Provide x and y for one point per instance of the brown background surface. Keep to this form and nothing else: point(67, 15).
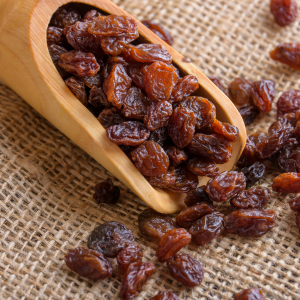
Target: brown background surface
point(46, 182)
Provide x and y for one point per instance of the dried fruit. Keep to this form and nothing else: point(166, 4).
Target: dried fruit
point(160, 136)
point(131, 133)
point(171, 243)
point(263, 93)
point(106, 192)
point(165, 180)
point(134, 278)
point(150, 159)
point(185, 269)
point(288, 102)
point(66, 15)
point(196, 196)
point(165, 296)
point(240, 91)
point(181, 126)
point(110, 117)
point(176, 155)
point(202, 167)
point(159, 31)
point(253, 173)
point(287, 183)
point(92, 81)
point(184, 87)
point(55, 35)
point(249, 113)
point(91, 15)
point(110, 238)
point(191, 214)
point(114, 45)
point(136, 72)
point(207, 228)
point(289, 160)
point(295, 204)
point(228, 131)
point(98, 98)
point(55, 51)
point(225, 185)
point(250, 222)
point(127, 256)
point(148, 53)
point(219, 84)
point(284, 11)
point(77, 88)
point(213, 146)
point(88, 263)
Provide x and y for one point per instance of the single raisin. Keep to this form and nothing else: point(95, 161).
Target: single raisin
point(98, 98)
point(249, 113)
point(165, 296)
point(287, 183)
point(263, 93)
point(134, 278)
point(202, 167)
point(66, 15)
point(295, 204)
point(55, 35)
point(112, 45)
point(228, 131)
point(289, 160)
point(219, 84)
point(191, 214)
point(253, 173)
point(77, 88)
point(136, 72)
point(149, 53)
point(171, 243)
point(184, 87)
point(284, 11)
point(106, 192)
point(207, 228)
point(88, 263)
point(288, 102)
point(160, 136)
point(165, 180)
point(126, 54)
point(153, 224)
point(127, 256)
point(176, 155)
point(110, 238)
point(110, 117)
point(240, 91)
point(196, 196)
point(185, 269)
point(250, 222)
point(181, 126)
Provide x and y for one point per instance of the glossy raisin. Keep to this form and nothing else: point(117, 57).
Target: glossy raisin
point(78, 89)
point(110, 117)
point(92, 81)
point(150, 159)
point(110, 238)
point(289, 160)
point(55, 51)
point(184, 87)
point(149, 53)
point(217, 81)
point(287, 183)
point(202, 167)
point(250, 294)
point(130, 254)
point(295, 204)
point(136, 72)
point(114, 45)
point(207, 228)
point(181, 126)
point(153, 224)
point(66, 15)
point(176, 155)
point(134, 278)
point(284, 11)
point(88, 263)
point(171, 243)
point(253, 173)
point(263, 93)
point(250, 222)
point(228, 131)
point(98, 98)
point(106, 192)
point(185, 269)
point(196, 196)
point(165, 180)
point(249, 113)
point(288, 102)
point(165, 296)
point(159, 30)
point(213, 146)
point(55, 35)
point(112, 61)
point(191, 214)
point(240, 91)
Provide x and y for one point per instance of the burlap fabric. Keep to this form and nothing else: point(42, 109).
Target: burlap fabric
point(46, 182)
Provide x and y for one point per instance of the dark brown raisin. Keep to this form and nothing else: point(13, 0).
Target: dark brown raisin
point(219, 84)
point(91, 15)
point(110, 238)
point(288, 102)
point(263, 93)
point(55, 35)
point(88, 263)
point(185, 269)
point(289, 160)
point(284, 11)
point(295, 204)
point(196, 196)
point(134, 278)
point(114, 45)
point(78, 89)
point(240, 91)
point(207, 228)
point(202, 167)
point(160, 136)
point(148, 53)
point(249, 113)
point(250, 222)
point(98, 98)
point(127, 256)
point(65, 16)
point(92, 81)
point(228, 131)
point(176, 155)
point(165, 180)
point(184, 87)
point(110, 117)
point(253, 173)
point(171, 243)
point(55, 51)
point(165, 296)
point(106, 192)
point(287, 183)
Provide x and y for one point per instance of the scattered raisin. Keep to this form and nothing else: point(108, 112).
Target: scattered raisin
point(196, 196)
point(295, 204)
point(284, 11)
point(106, 192)
point(253, 173)
point(130, 254)
point(176, 155)
point(165, 296)
point(78, 89)
point(184, 87)
point(287, 183)
point(288, 102)
point(249, 113)
point(65, 16)
point(148, 53)
point(110, 117)
point(202, 167)
point(263, 93)
point(289, 160)
point(240, 91)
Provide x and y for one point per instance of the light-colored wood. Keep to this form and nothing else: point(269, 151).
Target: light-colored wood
point(26, 66)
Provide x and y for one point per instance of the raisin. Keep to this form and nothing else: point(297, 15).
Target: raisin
point(287, 183)
point(202, 167)
point(159, 81)
point(126, 54)
point(88, 263)
point(55, 51)
point(298, 220)
point(295, 204)
point(66, 15)
point(159, 30)
point(219, 84)
point(185, 180)
point(263, 93)
point(228, 131)
point(150, 159)
point(55, 35)
point(171, 243)
point(240, 91)
point(185, 269)
point(92, 81)
point(114, 60)
point(114, 45)
point(79, 63)
point(256, 197)
point(110, 117)
point(148, 53)
point(130, 254)
point(225, 185)
point(250, 294)
point(184, 87)
point(203, 109)
point(196, 196)
point(253, 173)
point(191, 214)
point(165, 296)
point(213, 146)
point(176, 155)
point(91, 15)
point(207, 228)
point(98, 98)
point(289, 118)
point(136, 72)
point(250, 222)
point(116, 85)
point(153, 224)
point(134, 278)
point(249, 113)
point(106, 192)
point(289, 160)
point(135, 104)
point(288, 102)
point(284, 11)
point(78, 89)
point(160, 136)
point(165, 180)
point(110, 238)
point(158, 115)
point(181, 127)
point(288, 54)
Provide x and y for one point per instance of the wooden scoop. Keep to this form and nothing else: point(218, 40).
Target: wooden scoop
point(26, 67)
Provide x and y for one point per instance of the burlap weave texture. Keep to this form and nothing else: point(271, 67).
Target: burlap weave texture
point(46, 182)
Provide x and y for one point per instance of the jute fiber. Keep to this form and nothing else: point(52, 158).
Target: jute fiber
point(46, 182)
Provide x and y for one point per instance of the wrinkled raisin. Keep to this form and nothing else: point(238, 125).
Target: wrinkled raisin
point(136, 72)
point(165, 180)
point(92, 81)
point(253, 173)
point(289, 160)
point(148, 53)
point(196, 196)
point(111, 62)
point(263, 93)
point(98, 98)
point(130, 254)
point(295, 204)
point(55, 51)
point(176, 155)
point(228, 131)
point(114, 45)
point(55, 35)
point(106, 192)
point(284, 11)
point(287, 183)
point(202, 167)
point(165, 296)
point(288, 102)
point(91, 15)
point(160, 136)
point(249, 113)
point(77, 88)
point(65, 16)
point(110, 117)
point(184, 87)
point(240, 91)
